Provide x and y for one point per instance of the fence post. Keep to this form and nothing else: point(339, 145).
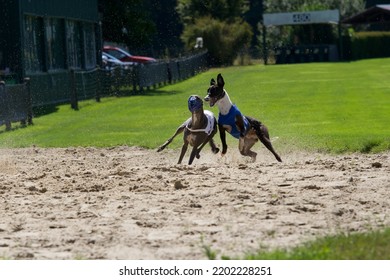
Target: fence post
point(97, 85)
point(73, 94)
point(117, 80)
point(134, 79)
point(101, 82)
point(179, 71)
point(29, 101)
point(5, 103)
point(7, 111)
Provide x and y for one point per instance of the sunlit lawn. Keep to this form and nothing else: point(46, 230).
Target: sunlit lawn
point(358, 246)
point(331, 107)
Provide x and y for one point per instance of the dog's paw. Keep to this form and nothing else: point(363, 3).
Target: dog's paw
point(160, 149)
point(216, 151)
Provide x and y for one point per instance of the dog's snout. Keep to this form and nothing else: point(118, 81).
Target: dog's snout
point(207, 98)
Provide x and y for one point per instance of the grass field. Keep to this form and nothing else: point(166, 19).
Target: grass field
point(358, 246)
point(330, 107)
point(361, 246)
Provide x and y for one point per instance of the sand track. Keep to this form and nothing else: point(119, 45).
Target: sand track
point(133, 203)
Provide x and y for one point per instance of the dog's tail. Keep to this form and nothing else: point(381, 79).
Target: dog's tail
point(263, 134)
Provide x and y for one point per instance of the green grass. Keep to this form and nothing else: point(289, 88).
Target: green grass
point(373, 245)
point(362, 246)
point(330, 107)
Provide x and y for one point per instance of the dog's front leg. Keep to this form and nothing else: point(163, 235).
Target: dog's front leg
point(183, 152)
point(194, 153)
point(201, 147)
point(222, 134)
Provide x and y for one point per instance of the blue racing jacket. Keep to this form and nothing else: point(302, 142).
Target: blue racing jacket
point(230, 119)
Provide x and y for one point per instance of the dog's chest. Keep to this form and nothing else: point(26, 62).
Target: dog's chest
point(193, 139)
point(229, 121)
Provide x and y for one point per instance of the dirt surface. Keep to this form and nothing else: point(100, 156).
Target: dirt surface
point(133, 203)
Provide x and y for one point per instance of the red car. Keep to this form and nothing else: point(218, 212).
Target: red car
point(126, 57)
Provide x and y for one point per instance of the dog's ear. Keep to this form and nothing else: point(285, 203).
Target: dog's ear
point(220, 81)
point(212, 82)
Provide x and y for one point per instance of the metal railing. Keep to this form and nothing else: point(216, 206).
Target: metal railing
point(41, 89)
point(138, 78)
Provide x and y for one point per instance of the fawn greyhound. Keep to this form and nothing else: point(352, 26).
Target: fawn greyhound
point(248, 130)
point(198, 130)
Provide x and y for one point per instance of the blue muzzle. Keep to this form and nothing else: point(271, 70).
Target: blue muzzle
point(194, 104)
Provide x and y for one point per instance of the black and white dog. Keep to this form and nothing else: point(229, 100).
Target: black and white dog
point(248, 130)
point(198, 130)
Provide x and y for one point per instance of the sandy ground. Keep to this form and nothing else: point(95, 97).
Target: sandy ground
point(133, 203)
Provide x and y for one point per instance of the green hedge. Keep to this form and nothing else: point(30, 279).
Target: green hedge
point(223, 40)
point(369, 45)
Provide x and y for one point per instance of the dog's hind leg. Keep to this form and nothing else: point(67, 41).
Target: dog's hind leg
point(214, 148)
point(179, 130)
point(210, 140)
point(262, 133)
point(244, 146)
point(200, 148)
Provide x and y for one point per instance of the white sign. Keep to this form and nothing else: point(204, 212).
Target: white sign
point(327, 16)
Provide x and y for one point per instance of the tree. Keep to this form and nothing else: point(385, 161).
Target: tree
point(220, 24)
point(127, 22)
point(253, 16)
point(166, 40)
point(223, 39)
point(223, 10)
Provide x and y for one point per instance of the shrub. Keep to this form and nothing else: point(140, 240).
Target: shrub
point(224, 40)
point(370, 45)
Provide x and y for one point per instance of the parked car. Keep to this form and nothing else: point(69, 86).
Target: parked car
point(124, 56)
point(110, 62)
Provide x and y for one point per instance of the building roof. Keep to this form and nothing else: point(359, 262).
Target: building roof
point(374, 14)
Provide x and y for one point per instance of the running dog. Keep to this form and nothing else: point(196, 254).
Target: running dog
point(247, 129)
point(198, 130)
